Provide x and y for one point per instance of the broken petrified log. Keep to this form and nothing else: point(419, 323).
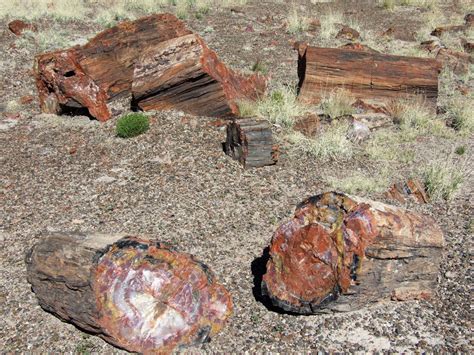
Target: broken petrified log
point(373, 77)
point(183, 73)
point(340, 253)
point(137, 294)
point(99, 75)
point(412, 190)
point(250, 141)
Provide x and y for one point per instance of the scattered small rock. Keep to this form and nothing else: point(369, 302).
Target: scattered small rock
point(18, 26)
point(358, 131)
point(309, 124)
point(105, 179)
point(348, 33)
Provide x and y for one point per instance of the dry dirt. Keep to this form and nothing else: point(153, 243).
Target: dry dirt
point(175, 184)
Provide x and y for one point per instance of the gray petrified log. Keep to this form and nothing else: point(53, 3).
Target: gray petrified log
point(250, 141)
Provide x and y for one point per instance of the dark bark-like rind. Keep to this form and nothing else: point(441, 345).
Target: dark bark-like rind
point(136, 294)
point(341, 253)
point(250, 142)
point(373, 77)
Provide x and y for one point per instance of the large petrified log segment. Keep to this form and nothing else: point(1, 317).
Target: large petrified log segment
point(183, 73)
point(250, 142)
point(101, 71)
point(340, 253)
point(373, 77)
point(137, 294)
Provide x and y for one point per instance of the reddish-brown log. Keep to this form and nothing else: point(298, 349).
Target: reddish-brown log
point(183, 73)
point(373, 77)
point(341, 253)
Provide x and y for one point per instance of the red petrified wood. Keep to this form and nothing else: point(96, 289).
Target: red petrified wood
point(340, 253)
point(373, 77)
point(99, 75)
point(137, 294)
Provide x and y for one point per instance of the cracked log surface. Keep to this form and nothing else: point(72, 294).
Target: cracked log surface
point(250, 141)
point(373, 77)
point(136, 294)
point(183, 73)
point(341, 253)
point(93, 78)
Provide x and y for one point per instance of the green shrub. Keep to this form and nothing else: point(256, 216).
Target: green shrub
point(443, 178)
point(132, 125)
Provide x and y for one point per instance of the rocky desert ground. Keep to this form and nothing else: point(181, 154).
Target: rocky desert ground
point(175, 184)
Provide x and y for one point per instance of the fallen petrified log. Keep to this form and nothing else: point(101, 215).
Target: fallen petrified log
point(99, 75)
point(136, 294)
point(250, 142)
point(183, 73)
point(340, 253)
point(373, 77)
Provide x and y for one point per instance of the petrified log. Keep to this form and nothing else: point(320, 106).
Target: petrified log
point(340, 253)
point(412, 190)
point(183, 73)
point(250, 142)
point(373, 77)
point(99, 75)
point(137, 294)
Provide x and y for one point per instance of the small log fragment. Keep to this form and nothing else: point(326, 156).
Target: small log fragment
point(18, 26)
point(136, 294)
point(412, 190)
point(373, 77)
point(341, 253)
point(250, 142)
point(183, 73)
point(439, 31)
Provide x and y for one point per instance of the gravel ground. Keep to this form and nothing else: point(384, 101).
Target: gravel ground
point(175, 184)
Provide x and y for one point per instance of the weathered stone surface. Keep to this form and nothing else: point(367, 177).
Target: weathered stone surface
point(183, 73)
point(250, 141)
point(309, 124)
point(401, 33)
point(358, 47)
point(458, 62)
point(348, 33)
point(341, 253)
point(438, 31)
point(412, 190)
point(137, 294)
point(18, 26)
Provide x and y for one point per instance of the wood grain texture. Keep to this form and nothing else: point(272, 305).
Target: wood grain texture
point(250, 141)
point(183, 73)
point(373, 77)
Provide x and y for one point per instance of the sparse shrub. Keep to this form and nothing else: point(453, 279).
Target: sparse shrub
point(337, 103)
point(297, 23)
point(443, 178)
point(361, 183)
point(259, 67)
point(460, 150)
point(331, 144)
point(389, 146)
point(461, 112)
point(132, 125)
point(415, 118)
point(330, 23)
point(280, 107)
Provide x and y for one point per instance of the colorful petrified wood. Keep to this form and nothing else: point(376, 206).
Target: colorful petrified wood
point(137, 294)
point(340, 253)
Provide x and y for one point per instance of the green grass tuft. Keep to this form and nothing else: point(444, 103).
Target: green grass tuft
point(132, 125)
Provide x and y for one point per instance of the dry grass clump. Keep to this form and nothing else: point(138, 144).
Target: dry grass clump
point(297, 23)
point(415, 118)
point(331, 144)
point(330, 24)
point(444, 178)
point(358, 182)
point(337, 103)
point(389, 146)
point(460, 111)
point(279, 107)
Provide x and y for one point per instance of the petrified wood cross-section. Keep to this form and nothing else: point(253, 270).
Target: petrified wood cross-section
point(373, 77)
point(137, 294)
point(340, 253)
